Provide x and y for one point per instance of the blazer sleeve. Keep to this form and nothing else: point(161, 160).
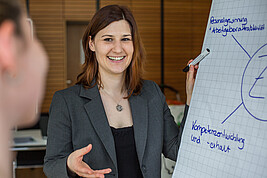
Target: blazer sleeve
point(59, 143)
point(172, 134)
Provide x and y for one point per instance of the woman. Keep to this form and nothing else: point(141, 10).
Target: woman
point(23, 67)
point(112, 123)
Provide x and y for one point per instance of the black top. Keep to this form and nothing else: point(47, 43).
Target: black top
point(127, 160)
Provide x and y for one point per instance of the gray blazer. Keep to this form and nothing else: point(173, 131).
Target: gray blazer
point(77, 118)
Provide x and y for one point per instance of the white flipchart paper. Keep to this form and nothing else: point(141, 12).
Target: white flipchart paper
point(225, 134)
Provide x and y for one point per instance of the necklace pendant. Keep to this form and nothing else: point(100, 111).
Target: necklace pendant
point(119, 107)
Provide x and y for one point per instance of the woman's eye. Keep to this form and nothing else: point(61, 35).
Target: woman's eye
point(108, 39)
point(126, 39)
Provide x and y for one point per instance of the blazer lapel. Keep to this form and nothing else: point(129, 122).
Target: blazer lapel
point(97, 115)
point(140, 121)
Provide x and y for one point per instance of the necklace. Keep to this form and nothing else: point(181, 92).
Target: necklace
point(119, 107)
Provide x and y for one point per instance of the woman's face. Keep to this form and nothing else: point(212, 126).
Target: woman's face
point(113, 47)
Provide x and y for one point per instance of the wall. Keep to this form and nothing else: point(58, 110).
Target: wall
point(185, 23)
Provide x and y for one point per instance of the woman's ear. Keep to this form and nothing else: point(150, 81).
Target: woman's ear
point(91, 44)
point(7, 46)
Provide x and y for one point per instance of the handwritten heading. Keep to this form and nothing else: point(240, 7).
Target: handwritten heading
point(226, 25)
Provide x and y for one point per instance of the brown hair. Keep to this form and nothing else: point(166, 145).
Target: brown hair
point(11, 10)
point(90, 75)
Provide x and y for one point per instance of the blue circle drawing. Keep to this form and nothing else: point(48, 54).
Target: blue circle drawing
point(253, 84)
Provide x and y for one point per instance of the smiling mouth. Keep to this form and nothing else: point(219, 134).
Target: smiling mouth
point(116, 58)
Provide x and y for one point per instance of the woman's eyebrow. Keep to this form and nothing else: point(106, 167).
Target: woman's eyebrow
point(113, 36)
point(106, 36)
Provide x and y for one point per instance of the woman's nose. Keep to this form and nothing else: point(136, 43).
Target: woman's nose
point(117, 47)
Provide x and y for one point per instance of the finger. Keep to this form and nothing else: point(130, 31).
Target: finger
point(85, 171)
point(91, 175)
point(84, 168)
point(84, 175)
point(189, 61)
point(103, 171)
point(190, 74)
point(85, 150)
point(99, 175)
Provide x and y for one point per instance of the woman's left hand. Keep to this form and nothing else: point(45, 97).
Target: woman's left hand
point(190, 81)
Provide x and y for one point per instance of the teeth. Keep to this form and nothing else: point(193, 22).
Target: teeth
point(115, 58)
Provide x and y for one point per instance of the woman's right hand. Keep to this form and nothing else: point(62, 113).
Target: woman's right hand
point(190, 81)
point(76, 164)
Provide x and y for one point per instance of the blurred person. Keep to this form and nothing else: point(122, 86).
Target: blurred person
point(112, 123)
point(23, 66)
